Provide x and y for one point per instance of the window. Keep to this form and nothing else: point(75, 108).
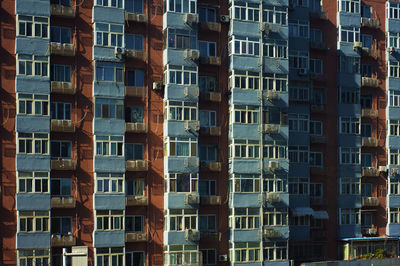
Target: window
point(394, 127)
point(366, 160)
point(366, 101)
point(109, 34)
point(349, 216)
point(109, 108)
point(61, 187)
point(348, 64)
point(245, 114)
point(134, 151)
point(208, 187)
point(61, 2)
point(109, 220)
point(33, 65)
point(33, 257)
point(366, 190)
point(394, 69)
point(366, 70)
point(33, 221)
point(33, 182)
point(366, 130)
point(181, 219)
point(245, 80)
point(349, 125)
point(135, 258)
point(181, 255)
point(277, 49)
point(60, 34)
point(61, 225)
point(298, 154)
point(298, 122)
point(316, 66)
point(316, 36)
point(244, 183)
point(108, 71)
point(135, 78)
point(394, 10)
point(134, 6)
point(350, 186)
point(349, 96)
point(135, 187)
point(275, 82)
point(275, 251)
point(298, 94)
point(366, 11)
point(109, 3)
point(275, 14)
point(208, 48)
point(181, 147)
point(275, 149)
point(180, 39)
point(299, 220)
point(300, 3)
point(33, 104)
point(350, 6)
point(208, 118)
point(241, 45)
point(274, 184)
point(134, 223)
point(244, 218)
point(245, 11)
point(315, 5)
point(207, 223)
point(394, 100)
point(316, 190)
point(134, 42)
point(182, 182)
point(207, 14)
point(298, 59)
point(33, 143)
point(60, 73)
point(109, 183)
point(184, 111)
point(366, 41)
point(207, 83)
point(209, 256)
point(61, 149)
point(244, 252)
point(275, 216)
point(316, 128)
point(182, 6)
point(394, 39)
point(208, 153)
point(316, 159)
point(349, 34)
point(103, 144)
point(181, 75)
point(60, 111)
point(110, 256)
point(394, 156)
point(394, 187)
point(30, 26)
point(298, 186)
point(350, 155)
point(134, 114)
point(299, 28)
point(242, 148)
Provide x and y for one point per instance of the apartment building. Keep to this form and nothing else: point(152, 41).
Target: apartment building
point(198, 132)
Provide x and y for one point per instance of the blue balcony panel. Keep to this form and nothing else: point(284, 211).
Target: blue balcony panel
point(182, 92)
point(299, 170)
point(31, 123)
point(244, 200)
point(26, 162)
point(188, 164)
point(349, 79)
point(105, 126)
point(283, 165)
point(393, 229)
point(299, 232)
point(283, 202)
point(33, 202)
point(177, 201)
point(302, 44)
point(393, 142)
point(349, 110)
point(283, 231)
point(33, 240)
point(347, 140)
point(244, 166)
point(178, 129)
point(176, 238)
point(32, 7)
point(350, 170)
point(246, 97)
point(176, 57)
point(109, 89)
point(109, 201)
point(245, 131)
point(298, 201)
point(299, 138)
point(348, 19)
point(176, 21)
point(245, 28)
point(245, 63)
point(282, 102)
point(393, 201)
point(105, 53)
point(299, 13)
point(347, 49)
point(109, 164)
point(276, 2)
point(393, 113)
point(393, 25)
point(105, 239)
point(394, 83)
point(28, 84)
point(245, 235)
point(349, 201)
point(31, 46)
point(107, 14)
point(277, 66)
point(352, 230)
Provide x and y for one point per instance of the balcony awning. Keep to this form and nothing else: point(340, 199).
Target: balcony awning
point(302, 211)
point(320, 215)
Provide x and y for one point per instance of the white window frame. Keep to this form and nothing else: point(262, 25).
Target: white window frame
point(241, 45)
point(181, 110)
point(110, 3)
point(33, 65)
point(33, 257)
point(191, 8)
point(275, 216)
point(246, 80)
point(245, 114)
point(181, 75)
point(245, 252)
point(115, 252)
point(393, 10)
point(114, 218)
point(39, 104)
point(349, 6)
point(107, 143)
point(33, 21)
point(393, 69)
point(237, 182)
point(112, 33)
point(31, 139)
point(39, 220)
point(34, 178)
point(245, 149)
point(353, 32)
point(172, 182)
point(181, 219)
point(191, 142)
point(245, 12)
point(110, 183)
point(350, 155)
point(245, 218)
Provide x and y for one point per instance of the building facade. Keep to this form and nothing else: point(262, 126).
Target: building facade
point(198, 132)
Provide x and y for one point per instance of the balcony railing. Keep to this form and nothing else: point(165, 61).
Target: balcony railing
point(62, 202)
point(369, 231)
point(211, 60)
point(141, 55)
point(136, 127)
point(210, 200)
point(63, 164)
point(318, 15)
point(212, 26)
point(192, 235)
point(65, 126)
point(210, 131)
point(369, 202)
point(138, 17)
point(136, 165)
point(370, 171)
point(62, 11)
point(211, 166)
point(271, 95)
point(369, 142)
point(271, 128)
point(318, 234)
point(134, 91)
point(136, 237)
point(317, 108)
point(63, 87)
point(192, 198)
point(208, 236)
point(137, 201)
point(59, 240)
point(317, 171)
point(369, 113)
point(63, 49)
point(318, 46)
point(369, 82)
point(269, 232)
point(370, 23)
point(317, 139)
point(211, 96)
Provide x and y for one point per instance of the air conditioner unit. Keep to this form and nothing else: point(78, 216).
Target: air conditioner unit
point(119, 51)
point(264, 26)
point(273, 165)
point(382, 168)
point(391, 50)
point(357, 45)
point(394, 171)
point(223, 257)
point(141, 17)
point(224, 18)
point(191, 18)
point(157, 85)
point(191, 54)
point(192, 198)
point(302, 71)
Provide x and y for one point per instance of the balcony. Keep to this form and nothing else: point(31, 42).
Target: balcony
point(271, 95)
point(135, 54)
point(59, 240)
point(192, 199)
point(317, 139)
point(65, 126)
point(272, 197)
point(271, 128)
point(135, 237)
point(372, 23)
point(369, 142)
point(317, 171)
point(62, 11)
point(318, 46)
point(210, 131)
point(192, 235)
point(137, 201)
point(369, 202)
point(63, 164)
point(317, 108)
point(63, 49)
point(136, 165)
point(210, 60)
point(210, 200)
point(63, 203)
point(133, 91)
point(208, 236)
point(318, 15)
point(370, 171)
point(370, 52)
point(63, 87)
point(211, 166)
point(135, 127)
point(318, 234)
point(271, 233)
point(369, 113)
point(369, 82)
point(137, 17)
point(211, 96)
point(316, 201)
point(369, 231)
point(211, 26)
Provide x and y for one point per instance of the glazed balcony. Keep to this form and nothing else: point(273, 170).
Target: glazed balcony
point(369, 202)
point(136, 165)
point(135, 127)
point(63, 49)
point(62, 87)
point(135, 237)
point(63, 202)
point(63, 164)
point(211, 26)
point(65, 126)
point(210, 200)
point(58, 240)
point(137, 201)
point(369, 82)
point(369, 142)
point(133, 91)
point(62, 11)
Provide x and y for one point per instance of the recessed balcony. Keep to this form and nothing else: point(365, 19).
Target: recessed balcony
point(63, 164)
point(210, 60)
point(369, 142)
point(59, 240)
point(269, 232)
point(372, 23)
point(210, 200)
point(319, 15)
point(62, 11)
point(210, 131)
point(137, 201)
point(317, 139)
point(317, 108)
point(135, 237)
point(62, 87)
point(318, 46)
point(211, 26)
point(137, 17)
point(369, 202)
point(135, 91)
point(211, 96)
point(136, 165)
point(65, 126)
point(370, 171)
point(135, 127)
point(369, 113)
point(271, 128)
point(63, 202)
point(211, 166)
point(63, 49)
point(369, 82)
point(135, 54)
